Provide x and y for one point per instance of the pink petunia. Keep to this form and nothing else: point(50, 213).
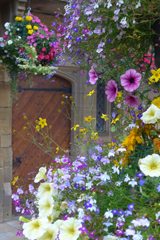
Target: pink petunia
point(132, 101)
point(93, 77)
point(130, 80)
point(111, 90)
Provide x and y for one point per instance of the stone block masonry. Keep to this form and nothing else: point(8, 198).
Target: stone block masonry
point(5, 147)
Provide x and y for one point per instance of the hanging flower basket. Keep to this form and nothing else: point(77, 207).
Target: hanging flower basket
point(29, 45)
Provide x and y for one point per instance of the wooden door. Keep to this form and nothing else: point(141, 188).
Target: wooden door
point(49, 99)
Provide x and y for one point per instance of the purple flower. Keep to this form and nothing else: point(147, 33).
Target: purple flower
point(132, 101)
point(93, 77)
point(111, 90)
point(130, 80)
point(158, 188)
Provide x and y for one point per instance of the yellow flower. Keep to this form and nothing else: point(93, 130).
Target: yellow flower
point(132, 139)
point(28, 18)
point(57, 149)
point(88, 119)
point(105, 117)
point(94, 135)
point(91, 93)
point(119, 97)
point(42, 122)
point(18, 19)
point(156, 102)
point(114, 120)
point(30, 32)
point(155, 76)
point(38, 128)
point(35, 28)
point(75, 127)
point(15, 179)
point(29, 26)
point(83, 130)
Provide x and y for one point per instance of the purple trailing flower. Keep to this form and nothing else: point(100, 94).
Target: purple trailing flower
point(130, 80)
point(132, 101)
point(93, 77)
point(111, 90)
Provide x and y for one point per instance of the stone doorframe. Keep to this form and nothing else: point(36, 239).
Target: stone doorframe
point(78, 79)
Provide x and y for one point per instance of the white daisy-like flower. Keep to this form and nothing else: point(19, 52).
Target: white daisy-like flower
point(35, 228)
point(70, 229)
point(40, 175)
point(151, 115)
point(150, 165)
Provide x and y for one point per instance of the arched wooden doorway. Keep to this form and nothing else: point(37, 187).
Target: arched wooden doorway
point(48, 99)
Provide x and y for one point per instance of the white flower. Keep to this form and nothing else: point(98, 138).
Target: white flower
point(108, 214)
point(150, 165)
point(157, 215)
point(45, 189)
point(10, 42)
point(7, 25)
point(127, 178)
point(109, 4)
point(110, 237)
point(69, 230)
point(151, 115)
point(132, 182)
point(129, 232)
point(51, 232)
point(35, 228)
point(104, 177)
point(45, 205)
point(144, 222)
point(115, 169)
point(40, 175)
point(138, 236)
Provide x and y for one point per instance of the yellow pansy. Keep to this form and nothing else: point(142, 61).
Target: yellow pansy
point(156, 102)
point(114, 120)
point(18, 19)
point(91, 93)
point(30, 32)
point(104, 117)
point(35, 28)
point(28, 18)
point(88, 118)
point(94, 135)
point(83, 130)
point(57, 149)
point(29, 26)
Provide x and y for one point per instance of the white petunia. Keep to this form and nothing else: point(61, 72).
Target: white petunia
point(151, 115)
point(45, 205)
point(40, 175)
point(70, 229)
point(150, 165)
point(46, 190)
point(51, 232)
point(35, 228)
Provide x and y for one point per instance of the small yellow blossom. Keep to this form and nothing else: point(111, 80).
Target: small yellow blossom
point(114, 120)
point(91, 93)
point(57, 149)
point(30, 32)
point(35, 28)
point(18, 19)
point(94, 135)
point(88, 119)
point(104, 117)
point(29, 26)
point(28, 18)
point(75, 127)
point(83, 130)
point(132, 139)
point(42, 122)
point(156, 102)
point(119, 97)
point(15, 179)
point(155, 76)
point(38, 128)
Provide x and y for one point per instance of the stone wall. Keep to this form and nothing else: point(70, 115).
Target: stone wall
point(5, 147)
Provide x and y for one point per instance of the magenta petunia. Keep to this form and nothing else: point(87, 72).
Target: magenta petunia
point(93, 77)
point(111, 90)
point(130, 80)
point(132, 101)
